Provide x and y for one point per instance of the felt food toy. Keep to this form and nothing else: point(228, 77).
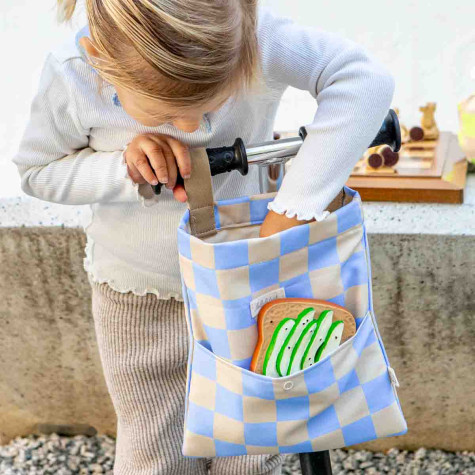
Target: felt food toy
point(286, 349)
point(295, 333)
point(303, 355)
point(332, 340)
point(302, 341)
point(325, 322)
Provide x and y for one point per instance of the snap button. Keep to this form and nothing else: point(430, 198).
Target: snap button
point(288, 385)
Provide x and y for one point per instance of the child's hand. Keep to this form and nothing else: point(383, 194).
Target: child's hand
point(152, 156)
point(274, 223)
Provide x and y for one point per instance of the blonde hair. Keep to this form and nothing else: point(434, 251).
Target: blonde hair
point(181, 52)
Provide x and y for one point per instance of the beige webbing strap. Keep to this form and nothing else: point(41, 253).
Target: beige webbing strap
point(199, 190)
point(340, 200)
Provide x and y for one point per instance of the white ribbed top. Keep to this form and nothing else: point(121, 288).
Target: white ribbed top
point(71, 151)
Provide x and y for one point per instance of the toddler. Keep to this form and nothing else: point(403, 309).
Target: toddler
point(117, 110)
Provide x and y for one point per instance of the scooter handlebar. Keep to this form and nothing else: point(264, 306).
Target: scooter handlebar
point(226, 159)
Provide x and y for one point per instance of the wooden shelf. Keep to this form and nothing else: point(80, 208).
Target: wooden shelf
point(445, 182)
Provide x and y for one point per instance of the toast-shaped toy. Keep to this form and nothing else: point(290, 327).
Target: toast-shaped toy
point(310, 329)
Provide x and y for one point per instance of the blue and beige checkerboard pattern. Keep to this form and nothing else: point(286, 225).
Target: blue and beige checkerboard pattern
point(345, 399)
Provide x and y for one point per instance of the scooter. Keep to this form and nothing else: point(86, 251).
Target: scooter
point(272, 156)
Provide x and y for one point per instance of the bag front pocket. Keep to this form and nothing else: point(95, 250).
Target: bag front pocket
point(222, 280)
point(344, 399)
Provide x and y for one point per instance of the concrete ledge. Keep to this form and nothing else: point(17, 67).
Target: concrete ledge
point(51, 371)
point(380, 218)
point(425, 305)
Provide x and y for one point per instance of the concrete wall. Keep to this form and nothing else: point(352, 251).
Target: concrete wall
point(49, 362)
point(51, 372)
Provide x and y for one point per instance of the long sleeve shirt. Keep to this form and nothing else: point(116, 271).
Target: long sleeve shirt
point(72, 148)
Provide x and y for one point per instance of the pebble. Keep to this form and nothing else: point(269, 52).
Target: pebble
point(58, 455)
point(394, 462)
point(82, 455)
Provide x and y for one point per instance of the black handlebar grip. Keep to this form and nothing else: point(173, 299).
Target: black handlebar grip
point(389, 133)
point(157, 189)
point(226, 159)
point(221, 160)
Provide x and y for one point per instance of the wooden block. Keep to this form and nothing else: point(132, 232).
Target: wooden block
point(416, 134)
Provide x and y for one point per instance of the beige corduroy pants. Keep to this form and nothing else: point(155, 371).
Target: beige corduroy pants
point(143, 345)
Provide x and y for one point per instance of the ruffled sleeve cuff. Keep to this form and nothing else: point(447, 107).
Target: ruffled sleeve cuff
point(300, 214)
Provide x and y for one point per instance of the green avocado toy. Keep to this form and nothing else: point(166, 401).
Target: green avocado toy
point(288, 344)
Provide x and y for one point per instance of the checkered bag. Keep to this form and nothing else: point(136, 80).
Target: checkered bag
point(346, 398)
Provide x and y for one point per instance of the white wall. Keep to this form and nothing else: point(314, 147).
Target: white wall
point(28, 30)
point(429, 46)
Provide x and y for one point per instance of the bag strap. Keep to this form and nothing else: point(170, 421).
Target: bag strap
point(340, 200)
point(199, 190)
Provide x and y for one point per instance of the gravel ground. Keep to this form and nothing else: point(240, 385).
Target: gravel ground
point(58, 455)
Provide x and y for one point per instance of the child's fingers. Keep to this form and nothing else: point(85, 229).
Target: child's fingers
point(182, 156)
point(179, 193)
point(153, 151)
point(135, 174)
point(170, 160)
point(139, 159)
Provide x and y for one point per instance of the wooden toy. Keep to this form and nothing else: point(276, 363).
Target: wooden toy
point(430, 167)
point(423, 139)
point(429, 126)
point(416, 134)
point(381, 158)
point(404, 130)
point(374, 158)
point(428, 129)
point(291, 331)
